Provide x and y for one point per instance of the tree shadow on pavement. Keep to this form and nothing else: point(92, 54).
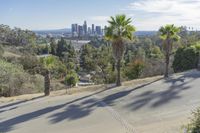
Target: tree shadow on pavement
point(71, 108)
point(155, 99)
point(110, 99)
point(84, 106)
point(19, 102)
point(75, 111)
point(15, 105)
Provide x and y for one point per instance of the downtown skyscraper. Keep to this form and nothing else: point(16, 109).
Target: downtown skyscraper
point(84, 30)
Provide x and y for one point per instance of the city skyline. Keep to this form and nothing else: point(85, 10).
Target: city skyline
point(53, 14)
point(84, 29)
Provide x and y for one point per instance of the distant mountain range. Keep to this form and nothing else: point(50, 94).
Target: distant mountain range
point(145, 33)
point(53, 31)
point(68, 30)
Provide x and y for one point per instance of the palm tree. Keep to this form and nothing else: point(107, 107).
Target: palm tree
point(169, 34)
point(119, 30)
point(47, 64)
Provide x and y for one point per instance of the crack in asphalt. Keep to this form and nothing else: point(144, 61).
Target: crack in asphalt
point(127, 126)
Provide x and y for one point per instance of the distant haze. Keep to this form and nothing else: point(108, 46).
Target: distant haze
point(147, 15)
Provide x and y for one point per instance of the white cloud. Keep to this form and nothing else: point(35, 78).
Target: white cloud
point(154, 13)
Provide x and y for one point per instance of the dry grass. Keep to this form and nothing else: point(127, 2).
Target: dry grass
point(80, 89)
point(10, 54)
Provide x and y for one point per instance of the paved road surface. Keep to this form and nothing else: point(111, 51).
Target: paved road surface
point(161, 106)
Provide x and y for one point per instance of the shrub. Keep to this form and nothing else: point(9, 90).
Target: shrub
point(15, 81)
point(30, 63)
point(134, 69)
point(186, 58)
point(194, 126)
point(153, 67)
point(34, 84)
point(54, 65)
point(71, 79)
point(11, 78)
point(1, 51)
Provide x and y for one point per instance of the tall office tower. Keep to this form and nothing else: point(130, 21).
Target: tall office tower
point(73, 29)
point(85, 27)
point(98, 30)
point(89, 31)
point(93, 29)
point(76, 28)
point(80, 31)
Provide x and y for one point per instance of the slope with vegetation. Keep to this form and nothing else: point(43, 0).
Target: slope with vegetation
point(118, 56)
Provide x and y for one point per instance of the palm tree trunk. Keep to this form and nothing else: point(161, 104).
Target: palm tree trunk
point(47, 83)
point(167, 58)
point(167, 66)
point(118, 65)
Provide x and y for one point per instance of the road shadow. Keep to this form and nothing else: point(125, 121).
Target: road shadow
point(156, 99)
point(84, 106)
point(19, 102)
point(110, 99)
point(1, 111)
point(75, 110)
point(15, 105)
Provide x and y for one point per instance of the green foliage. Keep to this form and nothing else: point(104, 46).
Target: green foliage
point(169, 35)
point(194, 126)
point(16, 36)
point(104, 65)
point(119, 30)
point(134, 69)
point(14, 81)
point(9, 76)
point(63, 47)
point(41, 49)
point(169, 32)
point(71, 79)
point(99, 62)
point(30, 63)
point(155, 52)
point(196, 46)
point(54, 65)
point(185, 58)
point(87, 58)
point(53, 46)
point(1, 51)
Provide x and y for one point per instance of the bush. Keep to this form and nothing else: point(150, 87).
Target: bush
point(30, 63)
point(71, 79)
point(194, 126)
point(153, 67)
point(34, 84)
point(186, 58)
point(15, 81)
point(134, 69)
point(1, 51)
point(54, 65)
point(11, 78)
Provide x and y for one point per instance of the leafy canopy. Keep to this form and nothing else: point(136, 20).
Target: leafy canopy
point(169, 32)
point(120, 27)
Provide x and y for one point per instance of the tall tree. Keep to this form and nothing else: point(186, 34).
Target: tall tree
point(169, 34)
point(50, 66)
point(53, 46)
point(119, 30)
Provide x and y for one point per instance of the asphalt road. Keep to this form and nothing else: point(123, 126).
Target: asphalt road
point(161, 106)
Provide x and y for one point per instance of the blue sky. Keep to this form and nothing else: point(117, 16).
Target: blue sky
point(56, 14)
